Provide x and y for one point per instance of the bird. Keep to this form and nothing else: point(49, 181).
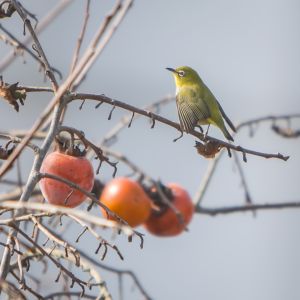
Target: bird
point(196, 104)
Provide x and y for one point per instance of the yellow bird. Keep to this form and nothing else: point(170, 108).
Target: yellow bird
point(196, 104)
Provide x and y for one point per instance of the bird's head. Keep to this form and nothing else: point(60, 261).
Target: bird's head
point(185, 76)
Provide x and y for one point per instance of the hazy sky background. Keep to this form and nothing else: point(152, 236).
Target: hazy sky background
point(247, 52)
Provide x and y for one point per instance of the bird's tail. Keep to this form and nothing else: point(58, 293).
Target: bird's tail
point(226, 133)
point(226, 118)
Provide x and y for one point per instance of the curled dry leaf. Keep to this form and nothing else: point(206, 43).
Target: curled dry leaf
point(209, 149)
point(11, 93)
point(8, 12)
point(5, 152)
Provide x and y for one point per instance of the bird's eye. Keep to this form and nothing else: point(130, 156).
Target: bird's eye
point(181, 73)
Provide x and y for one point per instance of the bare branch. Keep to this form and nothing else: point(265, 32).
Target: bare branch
point(27, 22)
point(245, 208)
point(59, 8)
point(206, 179)
point(212, 166)
point(272, 118)
point(81, 36)
point(81, 69)
point(243, 179)
point(175, 125)
point(20, 45)
point(53, 209)
point(17, 140)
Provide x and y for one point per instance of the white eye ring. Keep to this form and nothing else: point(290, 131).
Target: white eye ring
point(181, 73)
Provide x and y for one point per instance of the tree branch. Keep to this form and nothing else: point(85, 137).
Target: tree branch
point(245, 208)
point(155, 117)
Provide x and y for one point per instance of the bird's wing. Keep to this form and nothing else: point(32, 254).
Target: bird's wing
point(191, 109)
point(230, 124)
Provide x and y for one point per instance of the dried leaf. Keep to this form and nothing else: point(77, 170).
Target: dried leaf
point(209, 149)
point(11, 93)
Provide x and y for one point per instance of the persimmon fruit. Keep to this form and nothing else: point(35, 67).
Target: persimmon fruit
point(165, 222)
point(78, 170)
point(127, 199)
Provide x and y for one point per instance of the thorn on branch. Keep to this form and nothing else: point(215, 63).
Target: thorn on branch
point(285, 158)
point(105, 251)
point(99, 166)
point(77, 258)
point(34, 231)
point(118, 252)
point(130, 122)
point(98, 248)
point(178, 138)
point(90, 206)
point(110, 114)
point(150, 114)
point(58, 276)
point(81, 234)
point(130, 238)
point(98, 105)
point(229, 152)
point(82, 290)
point(45, 243)
point(27, 264)
point(66, 250)
point(81, 105)
point(68, 196)
point(34, 47)
point(72, 283)
point(142, 241)
point(60, 220)
point(102, 243)
point(244, 156)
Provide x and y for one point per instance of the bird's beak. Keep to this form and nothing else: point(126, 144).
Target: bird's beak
point(172, 70)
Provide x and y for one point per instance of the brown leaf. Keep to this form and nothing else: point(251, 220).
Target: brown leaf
point(11, 93)
point(209, 149)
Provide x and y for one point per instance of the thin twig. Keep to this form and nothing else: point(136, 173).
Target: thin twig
point(27, 22)
point(53, 209)
point(20, 45)
point(212, 166)
point(272, 118)
point(206, 179)
point(58, 9)
point(81, 36)
point(17, 140)
point(81, 70)
point(245, 208)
